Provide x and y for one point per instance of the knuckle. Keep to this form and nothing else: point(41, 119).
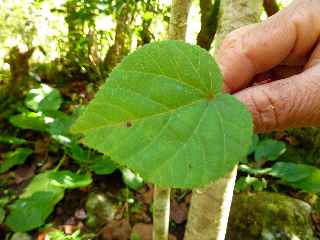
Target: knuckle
point(267, 110)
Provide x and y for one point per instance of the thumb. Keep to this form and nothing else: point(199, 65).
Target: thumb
point(289, 103)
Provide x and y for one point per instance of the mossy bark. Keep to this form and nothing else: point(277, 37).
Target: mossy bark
point(236, 14)
point(263, 215)
point(178, 19)
point(210, 206)
point(120, 46)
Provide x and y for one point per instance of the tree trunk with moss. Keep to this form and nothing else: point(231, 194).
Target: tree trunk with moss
point(210, 206)
point(161, 202)
point(119, 47)
point(179, 19)
point(19, 72)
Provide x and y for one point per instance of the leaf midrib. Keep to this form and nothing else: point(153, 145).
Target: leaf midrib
point(122, 123)
point(179, 81)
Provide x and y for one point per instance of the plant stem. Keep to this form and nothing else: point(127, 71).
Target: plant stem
point(161, 211)
point(161, 199)
point(64, 157)
point(210, 206)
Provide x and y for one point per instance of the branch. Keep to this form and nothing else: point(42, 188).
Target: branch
point(209, 22)
point(271, 7)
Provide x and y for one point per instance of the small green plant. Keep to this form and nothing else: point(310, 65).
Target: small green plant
point(59, 235)
point(267, 152)
point(41, 113)
point(162, 113)
point(39, 198)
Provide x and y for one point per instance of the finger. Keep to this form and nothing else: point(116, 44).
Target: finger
point(314, 58)
point(281, 72)
point(289, 35)
point(288, 103)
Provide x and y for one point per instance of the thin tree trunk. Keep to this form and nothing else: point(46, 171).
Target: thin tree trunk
point(145, 34)
point(118, 49)
point(237, 13)
point(161, 213)
point(178, 19)
point(210, 206)
point(271, 7)
point(161, 209)
point(209, 22)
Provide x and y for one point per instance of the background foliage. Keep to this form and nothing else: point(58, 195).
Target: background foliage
point(54, 55)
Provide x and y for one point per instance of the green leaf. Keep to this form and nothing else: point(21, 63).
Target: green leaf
point(67, 179)
point(2, 215)
point(31, 121)
point(99, 164)
point(20, 236)
point(254, 171)
point(43, 99)
point(300, 176)
point(254, 143)
point(29, 213)
point(12, 140)
point(39, 198)
point(135, 236)
point(162, 113)
point(132, 180)
point(269, 150)
point(291, 172)
point(103, 165)
point(17, 157)
point(61, 123)
point(60, 235)
point(244, 183)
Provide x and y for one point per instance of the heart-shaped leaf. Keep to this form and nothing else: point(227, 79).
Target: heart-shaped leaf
point(162, 113)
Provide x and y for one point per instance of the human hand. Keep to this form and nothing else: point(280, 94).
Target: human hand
point(283, 51)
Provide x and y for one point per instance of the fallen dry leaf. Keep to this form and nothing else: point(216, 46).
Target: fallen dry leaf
point(144, 231)
point(116, 230)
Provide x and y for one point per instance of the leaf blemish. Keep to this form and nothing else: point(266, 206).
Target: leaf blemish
point(210, 95)
point(129, 124)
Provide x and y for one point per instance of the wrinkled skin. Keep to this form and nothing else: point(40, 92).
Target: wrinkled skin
point(274, 67)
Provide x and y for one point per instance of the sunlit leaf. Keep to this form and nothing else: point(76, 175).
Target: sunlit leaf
point(162, 113)
point(31, 121)
point(245, 183)
point(43, 99)
point(131, 179)
point(254, 171)
point(14, 158)
point(12, 140)
point(67, 179)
